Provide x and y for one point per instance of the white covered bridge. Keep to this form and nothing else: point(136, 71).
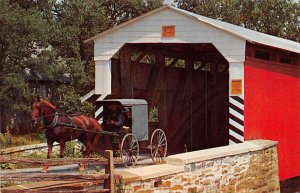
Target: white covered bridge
point(188, 66)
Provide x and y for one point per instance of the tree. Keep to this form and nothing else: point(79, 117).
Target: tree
point(22, 34)
point(119, 11)
point(45, 39)
point(78, 20)
point(275, 17)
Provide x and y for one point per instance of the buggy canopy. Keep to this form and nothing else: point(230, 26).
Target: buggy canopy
point(139, 114)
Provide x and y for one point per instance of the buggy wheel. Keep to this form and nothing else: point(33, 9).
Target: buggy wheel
point(129, 150)
point(158, 145)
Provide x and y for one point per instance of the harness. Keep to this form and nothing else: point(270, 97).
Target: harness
point(55, 123)
point(55, 120)
point(72, 125)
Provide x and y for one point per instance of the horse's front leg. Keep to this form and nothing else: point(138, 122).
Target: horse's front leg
point(89, 150)
point(49, 153)
point(89, 147)
point(50, 146)
point(62, 145)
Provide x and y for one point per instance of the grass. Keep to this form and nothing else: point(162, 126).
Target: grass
point(7, 140)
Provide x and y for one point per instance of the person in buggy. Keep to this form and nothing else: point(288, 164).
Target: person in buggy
point(114, 120)
point(127, 118)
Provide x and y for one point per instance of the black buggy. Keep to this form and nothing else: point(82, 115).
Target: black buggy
point(126, 141)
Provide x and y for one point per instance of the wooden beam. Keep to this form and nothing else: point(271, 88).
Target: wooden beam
point(125, 64)
point(52, 177)
point(54, 162)
point(155, 80)
point(110, 182)
point(176, 122)
point(161, 89)
point(173, 62)
point(51, 191)
point(178, 104)
point(141, 56)
point(116, 73)
point(199, 105)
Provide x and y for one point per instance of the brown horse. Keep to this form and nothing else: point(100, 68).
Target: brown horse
point(62, 128)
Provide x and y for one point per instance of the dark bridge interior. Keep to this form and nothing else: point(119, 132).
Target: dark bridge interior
point(187, 83)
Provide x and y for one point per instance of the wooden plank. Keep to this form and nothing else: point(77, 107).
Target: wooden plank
point(154, 81)
point(177, 106)
point(56, 185)
point(173, 61)
point(141, 56)
point(110, 182)
point(160, 88)
point(125, 61)
point(140, 73)
point(115, 74)
point(49, 191)
point(55, 162)
point(199, 106)
point(151, 83)
point(51, 177)
point(189, 67)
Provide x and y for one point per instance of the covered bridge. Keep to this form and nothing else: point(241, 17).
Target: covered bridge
point(212, 82)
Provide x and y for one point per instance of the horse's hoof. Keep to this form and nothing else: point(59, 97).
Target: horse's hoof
point(81, 167)
point(45, 169)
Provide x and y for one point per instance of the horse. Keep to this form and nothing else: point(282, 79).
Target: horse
point(62, 128)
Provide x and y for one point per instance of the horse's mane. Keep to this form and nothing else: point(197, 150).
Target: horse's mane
point(48, 104)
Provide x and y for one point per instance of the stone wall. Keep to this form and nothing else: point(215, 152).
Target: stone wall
point(248, 167)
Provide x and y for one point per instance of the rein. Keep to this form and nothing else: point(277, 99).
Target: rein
point(55, 122)
point(72, 126)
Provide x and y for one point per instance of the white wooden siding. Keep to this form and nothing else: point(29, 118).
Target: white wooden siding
point(236, 71)
point(188, 30)
point(103, 77)
point(148, 30)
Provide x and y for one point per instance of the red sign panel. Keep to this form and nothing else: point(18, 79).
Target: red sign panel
point(168, 31)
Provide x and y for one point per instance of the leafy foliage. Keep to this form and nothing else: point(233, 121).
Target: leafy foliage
point(71, 103)
point(119, 11)
point(274, 17)
point(22, 32)
point(43, 42)
point(153, 115)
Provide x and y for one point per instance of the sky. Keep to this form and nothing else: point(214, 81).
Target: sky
point(169, 2)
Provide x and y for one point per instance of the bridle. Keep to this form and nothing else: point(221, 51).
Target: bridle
point(43, 117)
point(55, 122)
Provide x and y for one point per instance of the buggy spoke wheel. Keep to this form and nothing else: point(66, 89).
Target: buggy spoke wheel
point(158, 144)
point(129, 150)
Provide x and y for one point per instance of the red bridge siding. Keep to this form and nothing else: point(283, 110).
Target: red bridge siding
point(272, 110)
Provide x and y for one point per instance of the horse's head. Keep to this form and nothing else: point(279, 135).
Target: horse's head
point(40, 109)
